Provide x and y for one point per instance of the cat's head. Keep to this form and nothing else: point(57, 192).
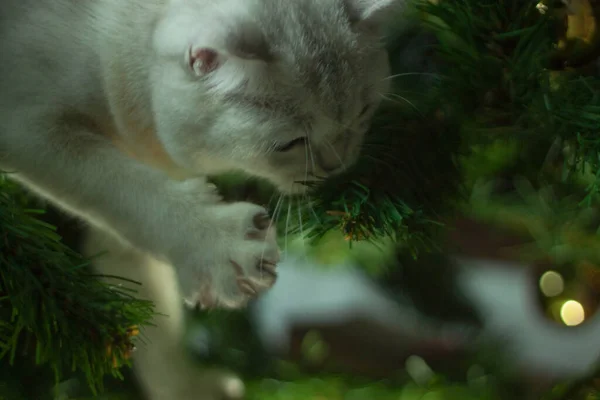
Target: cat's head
point(283, 89)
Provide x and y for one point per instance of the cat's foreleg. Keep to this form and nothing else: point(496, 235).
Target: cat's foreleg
point(223, 254)
point(164, 371)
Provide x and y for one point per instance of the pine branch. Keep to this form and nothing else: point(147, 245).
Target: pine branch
point(53, 309)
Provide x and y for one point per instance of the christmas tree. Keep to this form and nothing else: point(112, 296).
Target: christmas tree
point(493, 119)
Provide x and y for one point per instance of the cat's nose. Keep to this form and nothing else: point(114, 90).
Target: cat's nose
point(330, 160)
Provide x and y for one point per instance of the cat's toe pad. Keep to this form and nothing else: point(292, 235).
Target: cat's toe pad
point(263, 277)
point(250, 256)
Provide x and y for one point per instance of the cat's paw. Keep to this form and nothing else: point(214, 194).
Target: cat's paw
point(242, 261)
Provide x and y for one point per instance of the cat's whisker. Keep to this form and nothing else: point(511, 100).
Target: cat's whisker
point(307, 129)
point(271, 147)
point(287, 228)
point(275, 193)
point(305, 194)
point(271, 222)
point(404, 99)
point(301, 228)
point(306, 198)
point(342, 163)
point(277, 210)
point(312, 158)
point(411, 74)
point(306, 163)
point(312, 209)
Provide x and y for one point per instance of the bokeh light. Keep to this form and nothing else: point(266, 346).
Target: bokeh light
point(572, 313)
point(552, 284)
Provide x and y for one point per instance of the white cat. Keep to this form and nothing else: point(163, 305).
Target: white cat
point(116, 110)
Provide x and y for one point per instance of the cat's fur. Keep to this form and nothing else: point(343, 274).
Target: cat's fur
point(116, 110)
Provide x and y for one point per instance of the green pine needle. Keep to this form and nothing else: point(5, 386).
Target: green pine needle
point(51, 308)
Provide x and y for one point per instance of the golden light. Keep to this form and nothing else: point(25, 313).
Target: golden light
point(552, 284)
point(572, 313)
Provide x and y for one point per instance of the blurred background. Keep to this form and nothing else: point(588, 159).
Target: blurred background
point(459, 259)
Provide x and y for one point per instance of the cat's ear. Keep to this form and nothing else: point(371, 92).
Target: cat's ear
point(245, 43)
point(371, 12)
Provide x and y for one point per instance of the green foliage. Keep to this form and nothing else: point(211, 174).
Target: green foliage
point(493, 109)
point(557, 226)
point(495, 48)
point(341, 389)
point(51, 308)
point(529, 128)
point(506, 92)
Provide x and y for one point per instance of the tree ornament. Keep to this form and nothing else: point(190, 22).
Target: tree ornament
point(352, 225)
point(578, 41)
point(121, 348)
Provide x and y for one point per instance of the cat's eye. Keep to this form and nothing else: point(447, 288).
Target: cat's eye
point(290, 145)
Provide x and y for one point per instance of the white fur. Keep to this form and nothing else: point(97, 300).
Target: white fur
point(100, 114)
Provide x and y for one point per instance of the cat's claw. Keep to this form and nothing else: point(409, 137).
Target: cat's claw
point(269, 269)
point(243, 262)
